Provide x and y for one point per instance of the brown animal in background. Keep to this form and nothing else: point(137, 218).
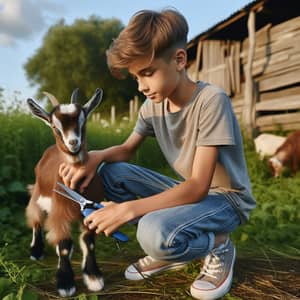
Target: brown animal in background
point(288, 154)
point(68, 123)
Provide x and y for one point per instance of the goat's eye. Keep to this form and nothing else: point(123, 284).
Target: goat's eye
point(57, 131)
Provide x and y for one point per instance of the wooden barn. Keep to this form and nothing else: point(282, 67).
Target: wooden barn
point(254, 55)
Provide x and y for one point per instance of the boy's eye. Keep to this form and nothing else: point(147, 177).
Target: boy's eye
point(148, 73)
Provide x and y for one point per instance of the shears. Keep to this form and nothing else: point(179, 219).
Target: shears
point(86, 207)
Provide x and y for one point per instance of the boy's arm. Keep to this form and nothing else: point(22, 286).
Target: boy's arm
point(122, 152)
point(194, 189)
point(71, 174)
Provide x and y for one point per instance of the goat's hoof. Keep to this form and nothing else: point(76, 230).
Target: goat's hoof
point(65, 283)
point(32, 257)
point(37, 252)
point(67, 292)
point(93, 283)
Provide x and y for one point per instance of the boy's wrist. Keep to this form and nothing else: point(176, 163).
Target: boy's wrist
point(95, 156)
point(130, 208)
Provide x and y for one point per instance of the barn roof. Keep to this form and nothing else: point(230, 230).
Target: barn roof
point(234, 27)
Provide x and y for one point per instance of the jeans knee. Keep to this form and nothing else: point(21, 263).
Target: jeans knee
point(109, 168)
point(152, 237)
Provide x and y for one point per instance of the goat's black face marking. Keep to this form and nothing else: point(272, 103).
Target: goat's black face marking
point(69, 120)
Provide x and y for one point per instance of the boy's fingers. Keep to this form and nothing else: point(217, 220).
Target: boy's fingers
point(85, 182)
point(61, 169)
point(87, 220)
point(74, 179)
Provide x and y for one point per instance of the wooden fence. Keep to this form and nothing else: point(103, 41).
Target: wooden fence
point(132, 112)
point(276, 75)
point(262, 77)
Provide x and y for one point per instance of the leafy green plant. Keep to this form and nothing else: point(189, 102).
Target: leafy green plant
point(8, 185)
point(274, 224)
point(13, 279)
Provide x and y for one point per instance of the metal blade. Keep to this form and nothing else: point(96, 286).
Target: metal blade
point(80, 199)
point(68, 196)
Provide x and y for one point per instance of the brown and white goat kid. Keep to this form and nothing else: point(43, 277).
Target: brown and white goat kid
point(288, 154)
point(68, 123)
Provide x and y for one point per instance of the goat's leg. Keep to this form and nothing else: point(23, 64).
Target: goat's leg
point(37, 243)
point(65, 276)
point(92, 276)
point(34, 216)
point(59, 235)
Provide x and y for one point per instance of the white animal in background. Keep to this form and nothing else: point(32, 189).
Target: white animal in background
point(287, 155)
point(266, 144)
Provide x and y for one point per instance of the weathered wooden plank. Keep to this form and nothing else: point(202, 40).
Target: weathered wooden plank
point(237, 69)
point(280, 80)
point(238, 103)
point(261, 37)
point(230, 68)
point(286, 118)
point(284, 44)
point(276, 127)
point(282, 95)
point(283, 103)
point(277, 62)
point(276, 32)
point(285, 27)
point(197, 62)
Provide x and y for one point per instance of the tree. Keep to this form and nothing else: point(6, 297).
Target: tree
point(74, 56)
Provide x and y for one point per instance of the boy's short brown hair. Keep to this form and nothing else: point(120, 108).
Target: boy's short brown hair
point(149, 33)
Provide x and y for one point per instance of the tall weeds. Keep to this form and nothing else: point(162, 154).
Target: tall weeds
point(24, 138)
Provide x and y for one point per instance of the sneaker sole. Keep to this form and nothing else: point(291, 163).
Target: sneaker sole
point(136, 275)
point(216, 293)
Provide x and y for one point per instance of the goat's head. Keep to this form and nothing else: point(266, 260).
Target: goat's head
point(68, 122)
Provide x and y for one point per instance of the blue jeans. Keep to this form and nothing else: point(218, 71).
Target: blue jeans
point(176, 234)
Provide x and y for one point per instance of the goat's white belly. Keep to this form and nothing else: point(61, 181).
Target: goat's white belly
point(45, 203)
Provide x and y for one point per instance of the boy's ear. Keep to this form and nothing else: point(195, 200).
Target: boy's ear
point(181, 59)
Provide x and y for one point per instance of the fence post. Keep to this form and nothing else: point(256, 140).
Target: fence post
point(131, 110)
point(136, 104)
point(247, 115)
point(113, 115)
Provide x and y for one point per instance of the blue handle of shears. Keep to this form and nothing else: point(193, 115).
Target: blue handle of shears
point(117, 234)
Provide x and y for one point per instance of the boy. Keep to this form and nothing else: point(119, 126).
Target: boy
point(178, 221)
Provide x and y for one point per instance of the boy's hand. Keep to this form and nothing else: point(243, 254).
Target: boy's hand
point(72, 174)
point(109, 218)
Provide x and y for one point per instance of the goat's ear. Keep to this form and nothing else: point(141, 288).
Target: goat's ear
point(93, 102)
point(39, 112)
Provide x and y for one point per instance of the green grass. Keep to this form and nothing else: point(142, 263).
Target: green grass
point(273, 229)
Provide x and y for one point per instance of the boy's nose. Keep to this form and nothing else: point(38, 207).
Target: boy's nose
point(142, 87)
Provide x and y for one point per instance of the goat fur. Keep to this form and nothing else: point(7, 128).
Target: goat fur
point(287, 155)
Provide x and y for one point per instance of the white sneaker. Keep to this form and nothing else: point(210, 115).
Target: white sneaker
point(147, 266)
point(215, 278)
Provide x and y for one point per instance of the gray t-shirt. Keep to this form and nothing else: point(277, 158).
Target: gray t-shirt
point(206, 120)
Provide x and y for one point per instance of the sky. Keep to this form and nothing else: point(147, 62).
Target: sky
point(23, 24)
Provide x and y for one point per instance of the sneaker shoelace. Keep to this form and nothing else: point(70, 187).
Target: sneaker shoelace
point(213, 263)
point(145, 261)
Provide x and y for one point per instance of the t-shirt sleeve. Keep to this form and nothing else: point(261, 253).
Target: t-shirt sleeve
point(143, 124)
point(215, 126)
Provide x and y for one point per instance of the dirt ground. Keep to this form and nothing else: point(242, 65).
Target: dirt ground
point(254, 279)
point(261, 278)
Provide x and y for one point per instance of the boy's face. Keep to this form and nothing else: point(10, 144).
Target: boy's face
point(158, 78)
